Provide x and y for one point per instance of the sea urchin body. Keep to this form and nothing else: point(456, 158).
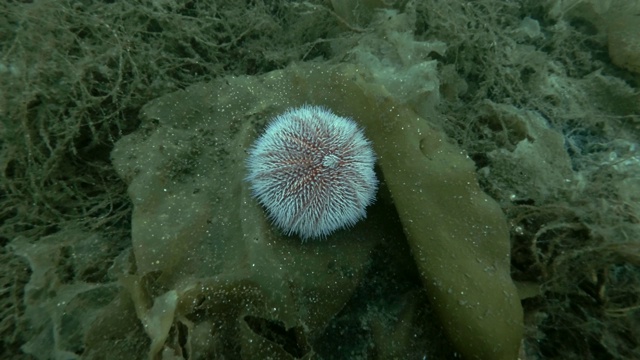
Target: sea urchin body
point(312, 171)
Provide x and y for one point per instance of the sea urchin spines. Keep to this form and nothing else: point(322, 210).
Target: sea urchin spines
point(312, 171)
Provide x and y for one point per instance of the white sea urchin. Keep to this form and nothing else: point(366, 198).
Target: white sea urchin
point(312, 170)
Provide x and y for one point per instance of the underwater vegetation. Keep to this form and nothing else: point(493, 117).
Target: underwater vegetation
point(506, 218)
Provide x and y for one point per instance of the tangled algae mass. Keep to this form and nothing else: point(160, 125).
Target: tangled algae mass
point(506, 213)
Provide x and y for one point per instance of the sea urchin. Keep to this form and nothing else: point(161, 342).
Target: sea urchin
point(312, 171)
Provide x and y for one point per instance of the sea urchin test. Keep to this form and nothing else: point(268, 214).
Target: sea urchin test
point(312, 171)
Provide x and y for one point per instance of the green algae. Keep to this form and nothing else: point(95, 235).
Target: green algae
point(458, 235)
point(542, 96)
point(201, 233)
